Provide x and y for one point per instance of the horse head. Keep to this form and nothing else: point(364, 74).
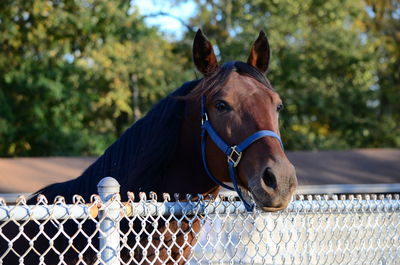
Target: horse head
point(242, 109)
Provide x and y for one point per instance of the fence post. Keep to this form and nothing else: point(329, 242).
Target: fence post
point(109, 222)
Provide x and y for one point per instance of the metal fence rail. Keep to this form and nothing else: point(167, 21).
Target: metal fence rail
point(312, 230)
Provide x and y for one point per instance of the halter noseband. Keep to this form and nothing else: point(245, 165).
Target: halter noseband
point(233, 153)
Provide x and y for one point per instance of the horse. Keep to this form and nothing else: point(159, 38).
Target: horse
point(223, 127)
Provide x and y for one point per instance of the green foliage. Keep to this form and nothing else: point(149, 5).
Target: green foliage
point(66, 70)
point(326, 64)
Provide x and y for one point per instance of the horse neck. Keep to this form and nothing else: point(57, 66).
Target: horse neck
point(186, 173)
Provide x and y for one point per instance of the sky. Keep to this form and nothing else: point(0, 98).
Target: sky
point(173, 27)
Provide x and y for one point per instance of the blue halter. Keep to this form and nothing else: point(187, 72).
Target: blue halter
point(233, 153)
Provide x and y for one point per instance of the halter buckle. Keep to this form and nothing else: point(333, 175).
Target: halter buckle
point(235, 156)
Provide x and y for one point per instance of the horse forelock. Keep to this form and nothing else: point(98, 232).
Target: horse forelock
point(212, 84)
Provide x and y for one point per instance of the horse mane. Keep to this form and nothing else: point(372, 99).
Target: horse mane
point(138, 158)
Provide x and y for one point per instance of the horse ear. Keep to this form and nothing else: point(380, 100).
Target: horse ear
point(260, 53)
point(203, 54)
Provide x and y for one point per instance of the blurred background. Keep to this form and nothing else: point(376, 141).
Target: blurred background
point(75, 74)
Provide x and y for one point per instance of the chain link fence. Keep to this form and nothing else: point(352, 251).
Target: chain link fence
point(312, 230)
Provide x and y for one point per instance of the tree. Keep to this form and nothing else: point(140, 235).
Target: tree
point(382, 24)
point(66, 70)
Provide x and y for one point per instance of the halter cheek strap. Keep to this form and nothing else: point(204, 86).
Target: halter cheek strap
point(233, 153)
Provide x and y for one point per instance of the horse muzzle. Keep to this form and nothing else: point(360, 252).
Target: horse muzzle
point(273, 189)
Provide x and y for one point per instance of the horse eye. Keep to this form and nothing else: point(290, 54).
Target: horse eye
point(279, 107)
point(222, 106)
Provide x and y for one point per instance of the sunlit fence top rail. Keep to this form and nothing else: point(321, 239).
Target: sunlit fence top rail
point(351, 229)
point(221, 205)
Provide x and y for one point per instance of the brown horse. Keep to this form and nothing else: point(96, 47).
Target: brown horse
point(163, 153)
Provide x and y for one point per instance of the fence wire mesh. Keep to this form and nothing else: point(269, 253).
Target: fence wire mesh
point(312, 230)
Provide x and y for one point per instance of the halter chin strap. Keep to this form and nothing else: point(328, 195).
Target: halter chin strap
point(233, 153)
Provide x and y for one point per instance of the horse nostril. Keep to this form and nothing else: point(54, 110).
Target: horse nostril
point(269, 178)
